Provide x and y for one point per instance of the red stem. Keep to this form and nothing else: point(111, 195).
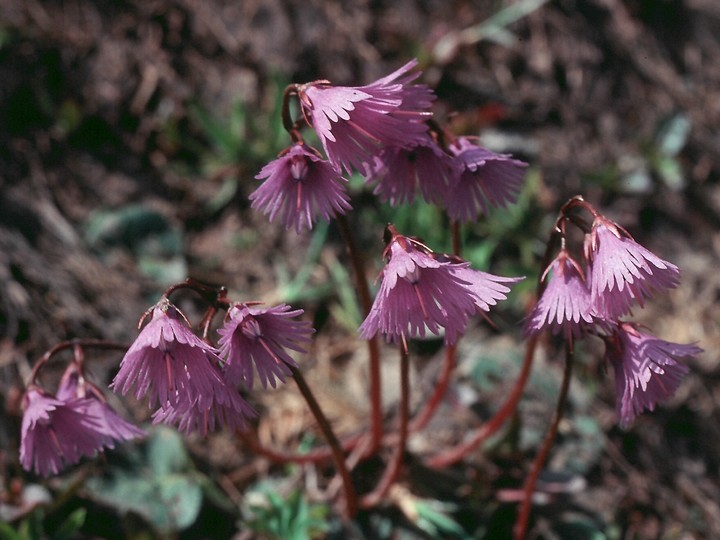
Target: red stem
point(73, 344)
point(441, 386)
point(456, 453)
point(374, 498)
point(337, 451)
point(363, 291)
point(523, 517)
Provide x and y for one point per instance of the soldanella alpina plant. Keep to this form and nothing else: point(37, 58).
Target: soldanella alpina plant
point(195, 375)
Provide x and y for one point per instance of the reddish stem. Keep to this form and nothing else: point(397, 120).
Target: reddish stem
point(523, 517)
point(456, 453)
point(337, 451)
point(314, 456)
point(363, 291)
point(73, 344)
point(393, 469)
point(441, 386)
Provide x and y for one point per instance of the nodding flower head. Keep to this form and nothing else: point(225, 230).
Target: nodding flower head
point(422, 291)
point(564, 306)
point(399, 171)
point(621, 271)
point(648, 370)
point(73, 385)
point(485, 179)
point(58, 432)
point(355, 123)
point(300, 187)
point(171, 365)
point(255, 338)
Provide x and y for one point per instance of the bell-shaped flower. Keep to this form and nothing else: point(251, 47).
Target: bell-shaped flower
point(564, 306)
point(231, 413)
point(73, 385)
point(171, 365)
point(648, 370)
point(621, 271)
point(399, 172)
point(486, 179)
point(299, 188)
point(355, 123)
point(257, 339)
point(422, 291)
point(56, 432)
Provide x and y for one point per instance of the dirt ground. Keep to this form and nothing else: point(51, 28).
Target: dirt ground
point(130, 133)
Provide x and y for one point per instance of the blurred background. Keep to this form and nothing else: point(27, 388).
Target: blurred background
point(130, 135)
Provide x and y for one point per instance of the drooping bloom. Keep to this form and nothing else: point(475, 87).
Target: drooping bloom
point(647, 369)
point(232, 414)
point(171, 365)
point(621, 271)
point(421, 291)
point(565, 303)
point(73, 385)
point(399, 171)
point(299, 188)
point(56, 433)
point(486, 179)
point(354, 123)
point(256, 338)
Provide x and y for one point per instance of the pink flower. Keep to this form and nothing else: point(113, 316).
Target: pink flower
point(486, 179)
point(232, 414)
point(621, 271)
point(299, 187)
point(74, 386)
point(647, 369)
point(172, 365)
point(565, 303)
point(56, 433)
point(354, 123)
point(256, 338)
point(422, 291)
point(399, 171)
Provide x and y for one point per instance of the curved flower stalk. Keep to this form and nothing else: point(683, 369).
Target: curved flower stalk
point(299, 188)
point(255, 338)
point(355, 123)
point(422, 291)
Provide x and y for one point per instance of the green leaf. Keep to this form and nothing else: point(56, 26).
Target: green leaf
point(673, 135)
point(166, 452)
point(71, 525)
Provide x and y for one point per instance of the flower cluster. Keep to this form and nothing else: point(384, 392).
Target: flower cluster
point(614, 274)
point(77, 422)
point(190, 383)
point(422, 290)
point(381, 130)
point(196, 384)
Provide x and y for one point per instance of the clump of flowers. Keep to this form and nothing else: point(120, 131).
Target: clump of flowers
point(591, 295)
point(197, 376)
